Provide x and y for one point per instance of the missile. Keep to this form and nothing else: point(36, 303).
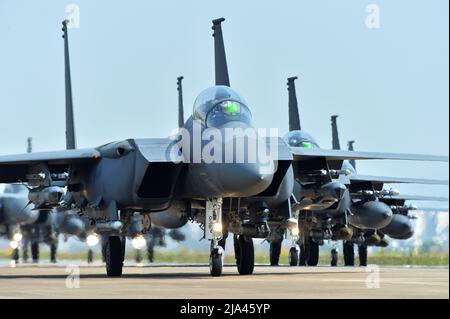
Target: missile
point(45, 198)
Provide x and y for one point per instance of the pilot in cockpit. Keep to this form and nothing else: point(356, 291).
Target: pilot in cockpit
point(218, 105)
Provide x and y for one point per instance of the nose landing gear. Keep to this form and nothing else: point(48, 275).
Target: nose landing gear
point(214, 233)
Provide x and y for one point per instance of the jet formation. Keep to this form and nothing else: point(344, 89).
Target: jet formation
point(221, 172)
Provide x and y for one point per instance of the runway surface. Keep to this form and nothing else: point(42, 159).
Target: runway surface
point(194, 281)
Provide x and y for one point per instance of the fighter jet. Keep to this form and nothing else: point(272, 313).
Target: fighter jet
point(185, 176)
point(368, 190)
point(322, 199)
point(47, 227)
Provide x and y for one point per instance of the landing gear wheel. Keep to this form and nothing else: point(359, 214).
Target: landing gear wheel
point(114, 256)
point(53, 248)
point(138, 256)
point(313, 253)
point(293, 256)
point(90, 256)
point(35, 252)
point(15, 255)
point(302, 259)
point(124, 242)
point(362, 252)
point(349, 253)
point(274, 253)
point(246, 256)
point(334, 257)
point(216, 262)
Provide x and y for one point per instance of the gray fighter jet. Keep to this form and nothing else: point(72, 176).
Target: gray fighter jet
point(322, 198)
point(176, 176)
point(366, 189)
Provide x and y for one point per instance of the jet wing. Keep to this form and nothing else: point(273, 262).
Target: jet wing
point(395, 180)
point(420, 198)
point(14, 168)
point(57, 157)
point(300, 153)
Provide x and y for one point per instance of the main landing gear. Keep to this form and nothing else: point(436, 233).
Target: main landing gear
point(245, 254)
point(114, 256)
point(309, 252)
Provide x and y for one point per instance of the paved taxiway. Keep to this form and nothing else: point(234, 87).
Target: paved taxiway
point(163, 281)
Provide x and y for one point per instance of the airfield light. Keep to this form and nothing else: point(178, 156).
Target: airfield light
point(17, 237)
point(139, 242)
point(92, 240)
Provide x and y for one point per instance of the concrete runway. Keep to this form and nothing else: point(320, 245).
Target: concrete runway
point(193, 281)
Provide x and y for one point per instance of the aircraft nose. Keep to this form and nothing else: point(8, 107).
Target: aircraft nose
point(244, 179)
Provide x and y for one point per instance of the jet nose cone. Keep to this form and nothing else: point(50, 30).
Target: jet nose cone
point(244, 179)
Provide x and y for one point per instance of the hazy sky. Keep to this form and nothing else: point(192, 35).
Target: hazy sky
point(389, 85)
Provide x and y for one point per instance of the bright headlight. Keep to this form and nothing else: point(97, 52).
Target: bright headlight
point(294, 231)
point(14, 244)
point(92, 240)
point(139, 242)
point(217, 228)
point(17, 236)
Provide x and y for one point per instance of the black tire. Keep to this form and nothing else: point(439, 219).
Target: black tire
point(349, 253)
point(293, 256)
point(53, 250)
point(25, 251)
point(138, 256)
point(274, 253)
point(15, 255)
point(334, 257)
point(90, 256)
point(113, 256)
point(302, 259)
point(215, 263)
point(362, 252)
point(246, 256)
point(150, 253)
point(313, 253)
point(124, 243)
point(35, 252)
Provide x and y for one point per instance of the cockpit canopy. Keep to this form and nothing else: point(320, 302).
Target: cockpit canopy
point(300, 139)
point(220, 104)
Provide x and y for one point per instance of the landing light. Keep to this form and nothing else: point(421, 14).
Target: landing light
point(17, 237)
point(92, 240)
point(139, 242)
point(217, 228)
point(14, 244)
point(294, 231)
